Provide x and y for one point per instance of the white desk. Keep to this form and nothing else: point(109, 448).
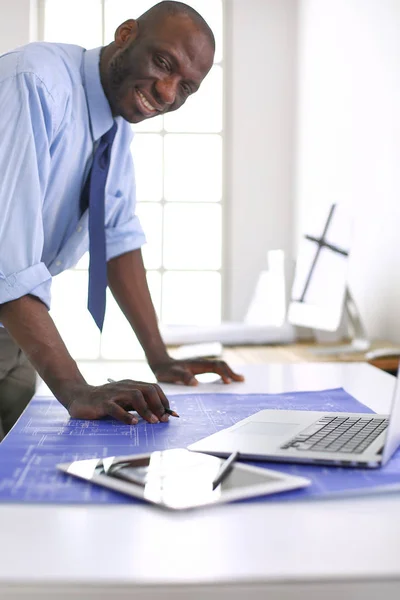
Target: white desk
point(347, 549)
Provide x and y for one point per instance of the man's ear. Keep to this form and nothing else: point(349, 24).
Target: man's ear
point(126, 33)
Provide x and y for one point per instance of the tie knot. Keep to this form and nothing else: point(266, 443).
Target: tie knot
point(108, 136)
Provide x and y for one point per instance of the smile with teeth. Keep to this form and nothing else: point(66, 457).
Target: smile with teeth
point(146, 103)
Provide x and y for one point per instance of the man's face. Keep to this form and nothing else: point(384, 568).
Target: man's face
point(156, 72)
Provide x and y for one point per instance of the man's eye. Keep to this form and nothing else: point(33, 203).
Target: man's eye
point(186, 89)
point(161, 62)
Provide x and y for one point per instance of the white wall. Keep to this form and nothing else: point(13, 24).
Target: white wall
point(260, 107)
point(18, 23)
point(349, 139)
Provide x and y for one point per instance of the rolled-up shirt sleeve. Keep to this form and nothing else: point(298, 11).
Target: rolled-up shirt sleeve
point(26, 128)
point(124, 232)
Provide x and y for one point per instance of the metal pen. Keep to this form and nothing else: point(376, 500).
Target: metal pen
point(224, 470)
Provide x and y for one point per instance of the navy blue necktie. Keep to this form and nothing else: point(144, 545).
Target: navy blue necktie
point(93, 196)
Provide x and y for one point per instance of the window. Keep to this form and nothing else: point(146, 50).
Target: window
point(178, 164)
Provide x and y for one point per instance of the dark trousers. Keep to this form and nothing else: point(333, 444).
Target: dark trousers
point(17, 382)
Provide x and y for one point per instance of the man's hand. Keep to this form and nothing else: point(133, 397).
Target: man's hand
point(184, 371)
point(116, 399)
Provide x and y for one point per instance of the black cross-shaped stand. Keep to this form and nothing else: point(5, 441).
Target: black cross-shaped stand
point(322, 243)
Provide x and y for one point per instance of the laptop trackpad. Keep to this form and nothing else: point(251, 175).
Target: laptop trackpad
point(267, 428)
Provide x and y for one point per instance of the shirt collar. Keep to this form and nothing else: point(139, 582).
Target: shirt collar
point(99, 109)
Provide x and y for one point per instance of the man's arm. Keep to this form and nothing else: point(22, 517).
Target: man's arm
point(29, 323)
point(128, 283)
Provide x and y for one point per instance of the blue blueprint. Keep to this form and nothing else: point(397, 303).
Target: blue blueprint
point(45, 436)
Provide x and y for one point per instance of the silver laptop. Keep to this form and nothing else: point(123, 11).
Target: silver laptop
point(344, 439)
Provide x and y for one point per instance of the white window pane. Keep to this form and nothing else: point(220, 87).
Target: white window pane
point(118, 341)
point(153, 124)
point(192, 236)
point(191, 298)
point(83, 264)
point(202, 111)
point(150, 216)
point(118, 11)
point(73, 320)
point(73, 22)
point(147, 152)
point(193, 167)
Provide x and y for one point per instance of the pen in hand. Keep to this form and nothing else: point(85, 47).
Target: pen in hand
point(167, 410)
point(224, 470)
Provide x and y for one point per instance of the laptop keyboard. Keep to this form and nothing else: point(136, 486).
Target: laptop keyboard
point(339, 434)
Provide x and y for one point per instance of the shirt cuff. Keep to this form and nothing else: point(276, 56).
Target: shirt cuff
point(35, 280)
point(124, 239)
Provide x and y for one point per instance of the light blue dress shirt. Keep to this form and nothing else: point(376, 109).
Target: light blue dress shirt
point(52, 111)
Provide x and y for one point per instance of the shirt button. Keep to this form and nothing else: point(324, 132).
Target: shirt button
point(79, 229)
point(58, 263)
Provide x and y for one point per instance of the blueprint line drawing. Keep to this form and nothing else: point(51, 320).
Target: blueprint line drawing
point(45, 435)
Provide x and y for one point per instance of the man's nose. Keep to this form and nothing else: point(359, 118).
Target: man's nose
point(166, 89)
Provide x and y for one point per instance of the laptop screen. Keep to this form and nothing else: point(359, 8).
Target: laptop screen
point(393, 431)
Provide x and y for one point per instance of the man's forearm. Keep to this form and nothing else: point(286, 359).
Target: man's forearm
point(29, 323)
point(128, 283)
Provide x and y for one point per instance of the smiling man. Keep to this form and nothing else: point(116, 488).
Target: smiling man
point(67, 184)
point(156, 62)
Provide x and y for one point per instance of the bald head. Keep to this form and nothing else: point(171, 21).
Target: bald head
point(167, 9)
point(157, 61)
